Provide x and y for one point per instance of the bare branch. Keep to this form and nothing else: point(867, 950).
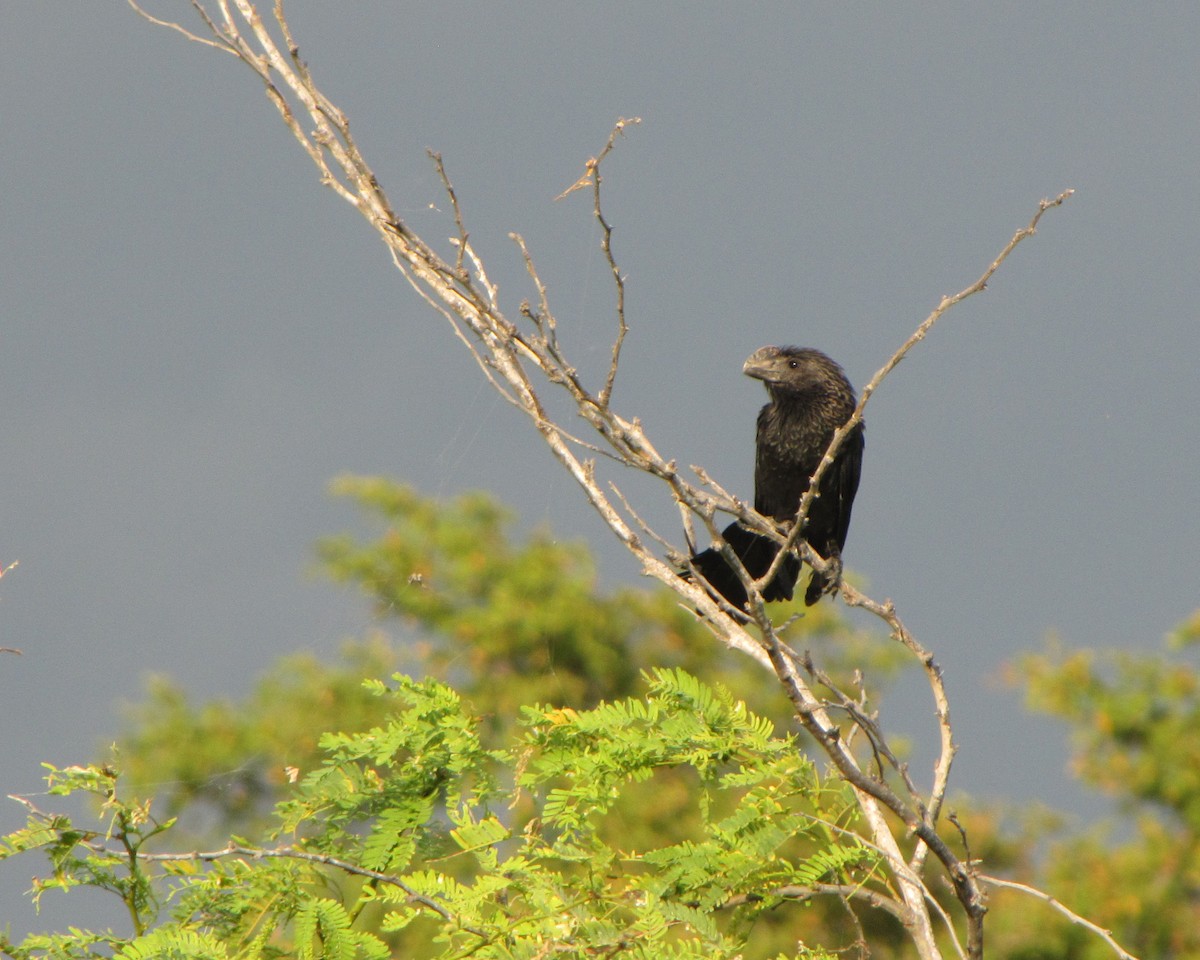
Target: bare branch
point(543, 319)
point(92, 842)
point(807, 892)
point(591, 177)
point(606, 246)
point(11, 566)
point(1105, 935)
point(887, 612)
point(179, 28)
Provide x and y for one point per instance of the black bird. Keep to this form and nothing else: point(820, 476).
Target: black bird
point(810, 399)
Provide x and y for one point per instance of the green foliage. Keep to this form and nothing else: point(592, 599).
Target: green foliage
point(77, 855)
point(405, 834)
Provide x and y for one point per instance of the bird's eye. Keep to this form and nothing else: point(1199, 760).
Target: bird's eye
point(793, 364)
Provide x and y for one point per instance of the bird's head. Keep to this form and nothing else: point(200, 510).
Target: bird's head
point(793, 370)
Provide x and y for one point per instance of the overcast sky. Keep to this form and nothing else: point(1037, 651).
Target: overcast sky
point(195, 337)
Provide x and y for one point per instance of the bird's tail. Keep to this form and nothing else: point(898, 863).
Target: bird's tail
point(756, 553)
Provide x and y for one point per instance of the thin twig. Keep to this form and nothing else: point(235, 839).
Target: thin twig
point(868, 725)
point(592, 176)
point(1058, 905)
point(887, 612)
point(179, 28)
point(11, 566)
point(645, 527)
point(463, 238)
point(808, 891)
point(291, 853)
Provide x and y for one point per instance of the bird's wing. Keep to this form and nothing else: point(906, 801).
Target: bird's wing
point(846, 472)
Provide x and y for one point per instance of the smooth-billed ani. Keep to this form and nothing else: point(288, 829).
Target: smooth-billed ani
point(810, 399)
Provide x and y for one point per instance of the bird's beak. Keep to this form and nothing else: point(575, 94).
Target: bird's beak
point(760, 364)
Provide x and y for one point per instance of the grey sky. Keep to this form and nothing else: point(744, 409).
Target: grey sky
point(195, 337)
